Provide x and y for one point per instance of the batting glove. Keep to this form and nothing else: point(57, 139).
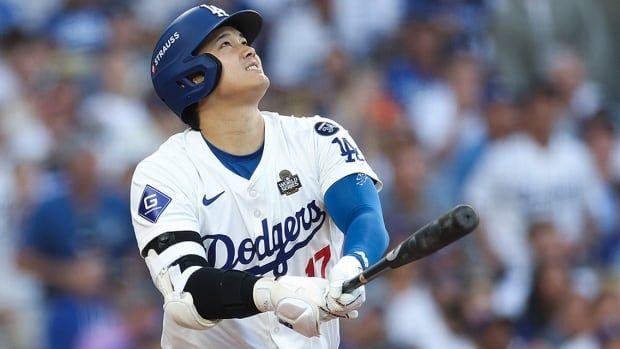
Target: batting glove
point(298, 302)
point(344, 304)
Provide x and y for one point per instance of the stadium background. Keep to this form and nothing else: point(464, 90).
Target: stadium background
point(428, 88)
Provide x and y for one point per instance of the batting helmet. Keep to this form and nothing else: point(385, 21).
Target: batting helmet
point(175, 59)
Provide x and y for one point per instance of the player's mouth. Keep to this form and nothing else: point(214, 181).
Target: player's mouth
point(253, 67)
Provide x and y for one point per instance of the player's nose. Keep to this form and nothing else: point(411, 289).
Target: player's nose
point(248, 51)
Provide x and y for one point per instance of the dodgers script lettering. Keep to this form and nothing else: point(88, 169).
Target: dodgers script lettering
point(275, 246)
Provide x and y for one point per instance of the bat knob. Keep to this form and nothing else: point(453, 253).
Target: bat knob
point(465, 217)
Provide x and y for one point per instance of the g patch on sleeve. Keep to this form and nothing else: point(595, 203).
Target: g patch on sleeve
point(325, 128)
point(152, 204)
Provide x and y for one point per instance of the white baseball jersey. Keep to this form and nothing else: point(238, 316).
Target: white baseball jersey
point(273, 224)
point(518, 182)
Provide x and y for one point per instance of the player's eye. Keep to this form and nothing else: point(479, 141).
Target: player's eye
point(225, 43)
point(244, 42)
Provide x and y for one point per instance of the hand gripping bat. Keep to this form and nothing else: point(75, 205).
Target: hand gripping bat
point(437, 234)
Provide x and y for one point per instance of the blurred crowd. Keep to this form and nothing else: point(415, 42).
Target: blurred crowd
point(511, 106)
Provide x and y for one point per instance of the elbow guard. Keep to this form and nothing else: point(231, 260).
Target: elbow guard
point(171, 259)
point(194, 293)
point(178, 304)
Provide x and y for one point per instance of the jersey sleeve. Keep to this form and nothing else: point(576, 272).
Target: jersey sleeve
point(160, 202)
point(338, 155)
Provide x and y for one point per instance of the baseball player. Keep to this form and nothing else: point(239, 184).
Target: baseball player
point(249, 221)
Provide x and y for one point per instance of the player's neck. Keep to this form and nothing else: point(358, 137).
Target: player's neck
point(237, 131)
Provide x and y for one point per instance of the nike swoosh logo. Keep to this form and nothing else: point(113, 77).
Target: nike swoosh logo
point(207, 202)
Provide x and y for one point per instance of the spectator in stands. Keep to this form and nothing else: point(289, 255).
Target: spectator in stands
point(405, 204)
point(536, 174)
point(526, 33)
point(73, 243)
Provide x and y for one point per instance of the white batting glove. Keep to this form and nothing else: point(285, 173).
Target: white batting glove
point(297, 301)
point(344, 304)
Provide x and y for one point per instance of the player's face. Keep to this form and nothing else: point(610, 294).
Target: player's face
point(242, 70)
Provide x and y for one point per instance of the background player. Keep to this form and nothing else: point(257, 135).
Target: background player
point(245, 196)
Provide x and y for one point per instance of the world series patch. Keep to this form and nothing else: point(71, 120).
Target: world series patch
point(325, 128)
point(289, 183)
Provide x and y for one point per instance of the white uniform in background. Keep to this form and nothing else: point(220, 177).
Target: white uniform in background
point(518, 182)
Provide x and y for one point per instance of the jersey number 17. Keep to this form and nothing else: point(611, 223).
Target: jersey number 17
point(323, 255)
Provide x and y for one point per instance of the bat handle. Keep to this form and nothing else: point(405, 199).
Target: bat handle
point(364, 277)
point(352, 284)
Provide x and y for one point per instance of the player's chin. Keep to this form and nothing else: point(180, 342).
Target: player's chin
point(257, 86)
point(262, 81)
point(266, 80)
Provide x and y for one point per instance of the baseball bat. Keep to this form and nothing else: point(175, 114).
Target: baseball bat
point(435, 235)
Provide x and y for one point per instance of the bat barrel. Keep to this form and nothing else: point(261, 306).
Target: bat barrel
point(439, 233)
point(465, 218)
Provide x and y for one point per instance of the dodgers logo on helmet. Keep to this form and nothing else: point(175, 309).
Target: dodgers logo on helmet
point(215, 10)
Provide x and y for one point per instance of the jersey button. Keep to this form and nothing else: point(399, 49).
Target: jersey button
point(276, 330)
point(257, 213)
point(253, 193)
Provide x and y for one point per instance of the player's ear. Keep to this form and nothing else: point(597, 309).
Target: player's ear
point(198, 78)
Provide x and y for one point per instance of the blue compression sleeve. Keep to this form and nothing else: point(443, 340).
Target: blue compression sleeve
point(355, 208)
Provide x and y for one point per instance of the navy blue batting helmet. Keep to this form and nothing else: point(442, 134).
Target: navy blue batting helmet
point(175, 60)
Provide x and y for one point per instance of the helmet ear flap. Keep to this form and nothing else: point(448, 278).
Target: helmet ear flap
point(208, 69)
point(200, 83)
point(212, 76)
